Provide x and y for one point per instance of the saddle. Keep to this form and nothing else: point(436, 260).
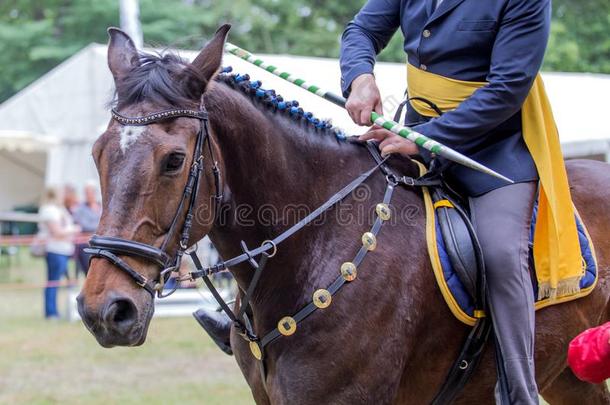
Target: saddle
point(456, 255)
point(457, 258)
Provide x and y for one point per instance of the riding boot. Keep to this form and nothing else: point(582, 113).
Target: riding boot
point(218, 326)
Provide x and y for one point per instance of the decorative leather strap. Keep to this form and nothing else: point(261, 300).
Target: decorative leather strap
point(158, 116)
point(339, 282)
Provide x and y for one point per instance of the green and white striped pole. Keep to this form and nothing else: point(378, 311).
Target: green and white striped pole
point(406, 132)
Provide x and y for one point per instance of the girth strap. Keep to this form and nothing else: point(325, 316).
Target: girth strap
point(466, 363)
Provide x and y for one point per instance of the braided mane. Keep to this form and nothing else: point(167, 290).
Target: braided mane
point(276, 102)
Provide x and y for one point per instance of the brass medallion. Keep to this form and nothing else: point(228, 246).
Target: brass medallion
point(383, 211)
point(256, 350)
point(322, 298)
point(287, 326)
point(369, 241)
point(349, 271)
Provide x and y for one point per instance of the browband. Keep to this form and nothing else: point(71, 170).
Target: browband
point(158, 116)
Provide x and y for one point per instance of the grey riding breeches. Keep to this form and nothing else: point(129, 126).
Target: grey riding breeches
point(502, 219)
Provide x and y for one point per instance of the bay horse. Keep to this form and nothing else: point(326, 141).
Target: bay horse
point(388, 337)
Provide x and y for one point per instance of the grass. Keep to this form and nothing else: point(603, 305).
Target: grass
point(43, 362)
point(51, 362)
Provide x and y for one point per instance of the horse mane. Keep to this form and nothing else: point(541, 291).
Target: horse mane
point(275, 102)
point(155, 79)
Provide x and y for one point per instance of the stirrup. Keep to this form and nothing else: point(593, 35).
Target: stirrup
point(218, 326)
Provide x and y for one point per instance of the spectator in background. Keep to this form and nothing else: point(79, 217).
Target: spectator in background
point(87, 216)
point(70, 198)
point(58, 229)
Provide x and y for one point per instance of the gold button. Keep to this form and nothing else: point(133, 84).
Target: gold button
point(383, 211)
point(256, 350)
point(322, 298)
point(369, 241)
point(348, 271)
point(423, 67)
point(287, 326)
point(426, 33)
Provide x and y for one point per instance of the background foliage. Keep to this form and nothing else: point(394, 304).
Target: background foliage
point(37, 35)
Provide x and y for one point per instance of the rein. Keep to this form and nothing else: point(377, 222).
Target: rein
point(321, 298)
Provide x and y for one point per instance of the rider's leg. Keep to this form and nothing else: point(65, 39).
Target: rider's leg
point(502, 220)
point(217, 325)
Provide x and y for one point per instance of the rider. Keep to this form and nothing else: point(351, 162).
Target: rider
point(478, 62)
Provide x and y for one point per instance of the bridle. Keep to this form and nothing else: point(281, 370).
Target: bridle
point(110, 248)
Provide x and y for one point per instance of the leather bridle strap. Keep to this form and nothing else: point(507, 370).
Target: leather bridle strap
point(110, 248)
point(272, 244)
point(148, 285)
point(339, 282)
point(269, 245)
point(130, 248)
point(148, 119)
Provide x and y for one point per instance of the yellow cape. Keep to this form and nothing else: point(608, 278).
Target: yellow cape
point(557, 255)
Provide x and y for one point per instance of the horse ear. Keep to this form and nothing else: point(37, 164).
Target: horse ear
point(209, 59)
point(122, 53)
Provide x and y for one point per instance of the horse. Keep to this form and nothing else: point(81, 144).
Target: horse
point(388, 337)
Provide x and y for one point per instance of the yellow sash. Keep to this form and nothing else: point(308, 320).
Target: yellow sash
point(557, 255)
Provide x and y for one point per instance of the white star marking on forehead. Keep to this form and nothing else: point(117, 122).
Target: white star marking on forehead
point(129, 135)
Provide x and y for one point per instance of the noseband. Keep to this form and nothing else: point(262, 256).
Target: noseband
point(110, 248)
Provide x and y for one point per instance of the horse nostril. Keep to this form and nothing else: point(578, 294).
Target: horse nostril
point(80, 303)
point(121, 315)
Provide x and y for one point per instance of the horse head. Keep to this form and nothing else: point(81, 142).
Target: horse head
point(144, 165)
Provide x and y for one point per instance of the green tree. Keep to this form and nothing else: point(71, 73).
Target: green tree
point(580, 36)
point(37, 35)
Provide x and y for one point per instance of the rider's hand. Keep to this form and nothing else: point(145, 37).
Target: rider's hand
point(364, 99)
point(389, 142)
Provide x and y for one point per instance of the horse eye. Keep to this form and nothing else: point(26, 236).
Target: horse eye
point(173, 163)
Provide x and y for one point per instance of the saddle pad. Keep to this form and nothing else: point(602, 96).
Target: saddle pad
point(455, 294)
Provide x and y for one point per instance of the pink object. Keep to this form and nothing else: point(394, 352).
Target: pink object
point(589, 354)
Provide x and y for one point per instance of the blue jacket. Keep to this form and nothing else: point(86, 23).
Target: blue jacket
point(498, 41)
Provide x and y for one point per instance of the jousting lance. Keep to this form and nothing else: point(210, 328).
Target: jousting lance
point(406, 132)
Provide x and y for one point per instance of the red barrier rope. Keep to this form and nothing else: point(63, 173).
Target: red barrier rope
point(32, 286)
point(27, 240)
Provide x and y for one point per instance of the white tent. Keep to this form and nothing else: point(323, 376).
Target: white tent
point(51, 125)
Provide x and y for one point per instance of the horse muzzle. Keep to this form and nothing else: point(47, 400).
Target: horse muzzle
point(116, 322)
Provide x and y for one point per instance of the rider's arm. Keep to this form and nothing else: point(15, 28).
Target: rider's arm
point(365, 36)
point(515, 61)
